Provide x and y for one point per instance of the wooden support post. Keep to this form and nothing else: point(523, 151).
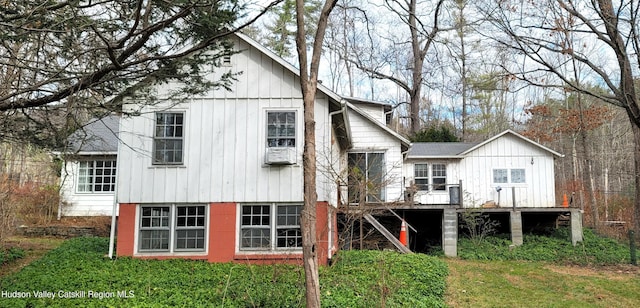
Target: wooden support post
point(461, 195)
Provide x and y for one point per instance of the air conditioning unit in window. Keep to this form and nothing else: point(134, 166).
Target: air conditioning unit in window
point(281, 156)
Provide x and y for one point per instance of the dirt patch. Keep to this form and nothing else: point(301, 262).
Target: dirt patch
point(615, 272)
point(103, 222)
point(34, 249)
point(69, 227)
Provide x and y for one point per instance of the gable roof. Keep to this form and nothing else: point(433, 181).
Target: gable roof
point(98, 136)
point(460, 149)
point(510, 132)
point(341, 125)
point(339, 102)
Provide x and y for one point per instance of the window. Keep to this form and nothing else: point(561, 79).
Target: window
point(168, 138)
point(517, 176)
point(366, 177)
point(226, 60)
point(270, 227)
point(438, 176)
point(504, 176)
point(187, 229)
point(154, 228)
point(281, 129)
point(421, 176)
point(97, 176)
point(500, 176)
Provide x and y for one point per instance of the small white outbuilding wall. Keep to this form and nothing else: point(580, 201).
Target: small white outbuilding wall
point(507, 170)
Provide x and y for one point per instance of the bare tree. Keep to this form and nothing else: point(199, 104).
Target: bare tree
point(90, 54)
point(605, 42)
point(422, 36)
point(309, 84)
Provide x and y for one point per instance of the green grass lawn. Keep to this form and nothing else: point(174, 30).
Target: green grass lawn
point(540, 284)
point(357, 279)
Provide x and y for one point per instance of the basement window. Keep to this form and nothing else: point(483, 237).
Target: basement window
point(270, 227)
point(172, 228)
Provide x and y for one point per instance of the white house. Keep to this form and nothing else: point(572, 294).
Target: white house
point(219, 177)
point(88, 177)
point(507, 170)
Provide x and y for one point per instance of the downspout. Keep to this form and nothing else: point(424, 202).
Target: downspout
point(330, 247)
point(112, 234)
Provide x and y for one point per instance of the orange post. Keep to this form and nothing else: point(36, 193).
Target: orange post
point(404, 238)
point(565, 203)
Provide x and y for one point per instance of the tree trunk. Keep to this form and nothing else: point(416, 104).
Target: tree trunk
point(636, 157)
point(309, 85)
point(308, 216)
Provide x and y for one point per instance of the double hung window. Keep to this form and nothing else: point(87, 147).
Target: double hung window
point(270, 227)
point(168, 142)
point(281, 129)
point(423, 174)
point(172, 228)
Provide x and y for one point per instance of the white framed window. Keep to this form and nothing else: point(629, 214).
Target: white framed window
point(96, 176)
point(168, 141)
point(500, 176)
point(518, 176)
point(172, 228)
point(366, 177)
point(270, 227)
point(423, 174)
point(505, 176)
point(281, 129)
point(439, 176)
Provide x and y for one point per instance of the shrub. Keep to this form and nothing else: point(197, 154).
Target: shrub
point(384, 278)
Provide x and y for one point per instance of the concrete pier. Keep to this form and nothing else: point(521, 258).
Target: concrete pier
point(516, 228)
point(576, 226)
point(450, 232)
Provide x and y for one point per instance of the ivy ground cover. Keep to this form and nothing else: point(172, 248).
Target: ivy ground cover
point(78, 274)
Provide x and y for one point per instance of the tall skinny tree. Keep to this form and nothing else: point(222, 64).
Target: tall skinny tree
point(309, 84)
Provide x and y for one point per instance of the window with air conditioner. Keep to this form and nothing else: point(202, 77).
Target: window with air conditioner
point(281, 138)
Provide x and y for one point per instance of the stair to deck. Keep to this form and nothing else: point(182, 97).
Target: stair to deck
point(376, 224)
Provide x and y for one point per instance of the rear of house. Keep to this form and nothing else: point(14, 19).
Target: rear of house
point(219, 177)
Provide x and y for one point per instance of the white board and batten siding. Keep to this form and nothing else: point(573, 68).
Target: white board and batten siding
point(433, 196)
point(82, 203)
point(508, 152)
point(224, 142)
point(369, 138)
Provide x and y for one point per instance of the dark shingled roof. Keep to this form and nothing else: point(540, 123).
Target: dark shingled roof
point(99, 135)
point(436, 149)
